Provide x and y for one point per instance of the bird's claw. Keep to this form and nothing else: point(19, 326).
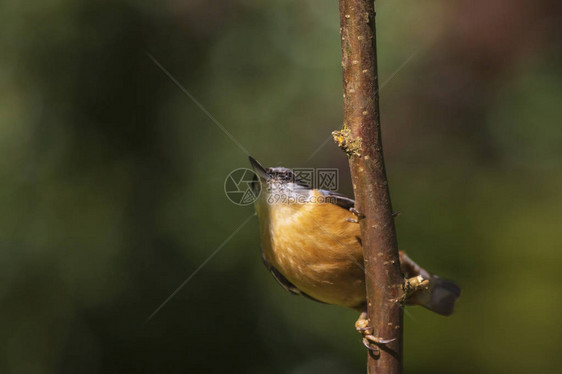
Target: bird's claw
point(413, 285)
point(357, 214)
point(370, 341)
point(360, 215)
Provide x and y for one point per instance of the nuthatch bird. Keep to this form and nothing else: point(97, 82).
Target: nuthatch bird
point(312, 247)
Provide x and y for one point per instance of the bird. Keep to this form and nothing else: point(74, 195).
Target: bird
point(311, 244)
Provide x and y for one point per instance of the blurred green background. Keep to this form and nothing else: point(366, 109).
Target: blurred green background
point(112, 181)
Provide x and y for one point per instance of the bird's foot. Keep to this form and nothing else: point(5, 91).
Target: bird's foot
point(370, 341)
point(360, 215)
point(412, 285)
point(357, 214)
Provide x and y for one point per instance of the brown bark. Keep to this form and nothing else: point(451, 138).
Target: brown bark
point(361, 139)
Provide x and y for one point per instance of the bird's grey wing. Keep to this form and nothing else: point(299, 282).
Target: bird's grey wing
point(284, 282)
point(280, 278)
point(339, 199)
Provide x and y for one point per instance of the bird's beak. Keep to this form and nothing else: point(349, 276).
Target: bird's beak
point(260, 170)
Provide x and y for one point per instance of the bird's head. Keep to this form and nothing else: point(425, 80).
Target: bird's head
point(277, 184)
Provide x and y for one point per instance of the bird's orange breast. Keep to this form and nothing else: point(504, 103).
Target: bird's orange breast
point(317, 249)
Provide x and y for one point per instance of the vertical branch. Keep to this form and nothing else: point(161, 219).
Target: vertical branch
point(361, 139)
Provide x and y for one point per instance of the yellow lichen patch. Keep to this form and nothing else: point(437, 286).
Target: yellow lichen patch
point(344, 140)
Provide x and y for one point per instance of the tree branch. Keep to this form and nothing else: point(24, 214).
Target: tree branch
point(360, 138)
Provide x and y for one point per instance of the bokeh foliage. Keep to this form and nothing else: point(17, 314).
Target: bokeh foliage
point(112, 181)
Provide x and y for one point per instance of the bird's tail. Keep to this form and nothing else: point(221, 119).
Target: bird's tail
point(441, 294)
